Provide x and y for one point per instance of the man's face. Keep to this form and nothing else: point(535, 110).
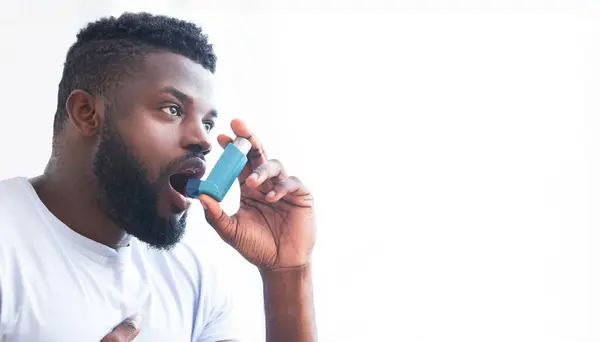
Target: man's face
point(153, 140)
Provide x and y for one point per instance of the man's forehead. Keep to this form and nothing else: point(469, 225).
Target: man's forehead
point(164, 69)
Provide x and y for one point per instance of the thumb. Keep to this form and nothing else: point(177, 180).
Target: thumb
point(126, 331)
point(217, 218)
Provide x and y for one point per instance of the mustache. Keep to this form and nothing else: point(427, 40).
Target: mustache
point(167, 170)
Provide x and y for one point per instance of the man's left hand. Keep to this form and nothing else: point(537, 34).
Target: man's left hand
point(126, 331)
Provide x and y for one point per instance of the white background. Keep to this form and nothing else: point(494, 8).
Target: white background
point(452, 147)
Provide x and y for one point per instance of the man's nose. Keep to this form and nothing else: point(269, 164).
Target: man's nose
point(195, 137)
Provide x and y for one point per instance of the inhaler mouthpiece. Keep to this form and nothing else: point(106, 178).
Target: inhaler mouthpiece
point(225, 172)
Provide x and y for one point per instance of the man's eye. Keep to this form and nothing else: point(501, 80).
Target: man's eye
point(172, 110)
point(208, 125)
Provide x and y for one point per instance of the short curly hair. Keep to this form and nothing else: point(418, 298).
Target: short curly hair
point(107, 49)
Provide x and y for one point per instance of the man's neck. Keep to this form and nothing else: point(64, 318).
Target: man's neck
point(76, 202)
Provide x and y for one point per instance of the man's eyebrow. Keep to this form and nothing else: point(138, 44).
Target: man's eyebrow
point(177, 93)
point(181, 96)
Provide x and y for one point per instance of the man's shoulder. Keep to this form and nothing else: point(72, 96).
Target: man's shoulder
point(16, 194)
point(12, 189)
point(16, 206)
point(16, 247)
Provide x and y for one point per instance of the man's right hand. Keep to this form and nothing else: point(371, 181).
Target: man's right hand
point(124, 332)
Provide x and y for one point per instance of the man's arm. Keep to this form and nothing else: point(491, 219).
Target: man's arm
point(289, 309)
point(275, 229)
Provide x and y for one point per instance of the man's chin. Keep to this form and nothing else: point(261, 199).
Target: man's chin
point(162, 234)
point(161, 244)
point(166, 247)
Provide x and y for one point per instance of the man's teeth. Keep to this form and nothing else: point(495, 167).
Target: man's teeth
point(190, 170)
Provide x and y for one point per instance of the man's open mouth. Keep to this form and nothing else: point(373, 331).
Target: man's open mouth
point(192, 169)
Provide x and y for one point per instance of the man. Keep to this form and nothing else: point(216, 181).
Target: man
point(95, 249)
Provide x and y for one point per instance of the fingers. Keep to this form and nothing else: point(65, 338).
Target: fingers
point(258, 171)
point(257, 154)
point(283, 188)
point(291, 186)
point(272, 169)
point(218, 219)
point(124, 332)
point(282, 184)
point(223, 140)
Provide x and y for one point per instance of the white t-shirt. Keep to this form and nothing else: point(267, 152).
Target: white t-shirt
point(58, 286)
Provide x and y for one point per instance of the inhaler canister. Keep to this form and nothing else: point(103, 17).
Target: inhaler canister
point(225, 172)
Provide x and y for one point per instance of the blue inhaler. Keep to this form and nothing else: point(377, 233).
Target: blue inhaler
point(225, 172)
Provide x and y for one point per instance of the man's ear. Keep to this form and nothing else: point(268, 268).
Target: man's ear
point(82, 108)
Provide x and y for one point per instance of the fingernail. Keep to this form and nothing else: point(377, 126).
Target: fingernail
point(136, 320)
point(253, 176)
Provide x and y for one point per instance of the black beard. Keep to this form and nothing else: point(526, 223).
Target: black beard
point(129, 199)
